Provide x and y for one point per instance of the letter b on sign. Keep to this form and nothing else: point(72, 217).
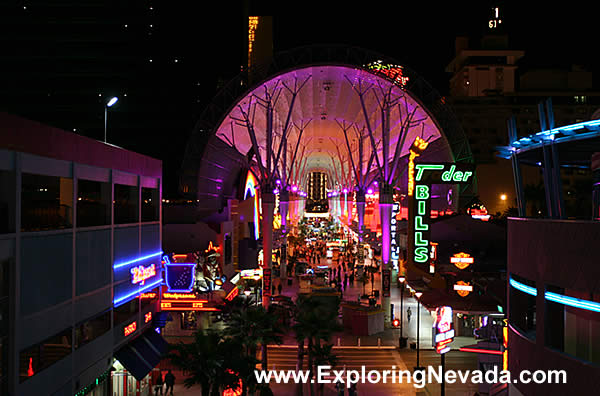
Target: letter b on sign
point(422, 192)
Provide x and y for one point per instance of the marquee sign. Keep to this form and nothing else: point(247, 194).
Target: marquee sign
point(462, 260)
point(443, 329)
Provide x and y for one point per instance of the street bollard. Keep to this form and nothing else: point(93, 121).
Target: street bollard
point(339, 341)
point(378, 342)
point(359, 342)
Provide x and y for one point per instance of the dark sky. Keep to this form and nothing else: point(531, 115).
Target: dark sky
point(60, 60)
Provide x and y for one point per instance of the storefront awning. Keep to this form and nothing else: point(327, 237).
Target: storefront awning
point(141, 355)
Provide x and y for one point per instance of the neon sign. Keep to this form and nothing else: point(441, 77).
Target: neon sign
point(420, 179)
point(232, 294)
point(443, 329)
point(463, 288)
point(148, 296)
point(178, 296)
point(126, 263)
point(130, 328)
point(462, 260)
point(180, 277)
point(141, 273)
point(147, 317)
point(250, 190)
point(395, 248)
point(394, 73)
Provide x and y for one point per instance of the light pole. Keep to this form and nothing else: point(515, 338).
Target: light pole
point(402, 280)
point(111, 102)
point(418, 295)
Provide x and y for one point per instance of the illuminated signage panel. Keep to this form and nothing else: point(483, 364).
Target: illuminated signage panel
point(443, 329)
point(136, 276)
point(130, 328)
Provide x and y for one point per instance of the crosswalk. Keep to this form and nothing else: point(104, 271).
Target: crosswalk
point(361, 360)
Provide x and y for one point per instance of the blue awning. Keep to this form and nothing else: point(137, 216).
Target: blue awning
point(141, 355)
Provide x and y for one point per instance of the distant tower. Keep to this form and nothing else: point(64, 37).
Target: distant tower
point(260, 41)
point(488, 69)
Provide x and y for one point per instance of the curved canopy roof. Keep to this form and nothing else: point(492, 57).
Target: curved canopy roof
point(317, 104)
point(328, 83)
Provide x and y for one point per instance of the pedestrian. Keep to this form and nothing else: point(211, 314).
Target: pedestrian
point(408, 313)
point(158, 384)
point(279, 288)
point(339, 386)
point(352, 391)
point(170, 382)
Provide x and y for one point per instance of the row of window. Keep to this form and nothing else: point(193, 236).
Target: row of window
point(47, 203)
point(44, 354)
point(567, 329)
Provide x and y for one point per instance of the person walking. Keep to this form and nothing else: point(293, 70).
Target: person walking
point(279, 288)
point(170, 382)
point(158, 384)
point(408, 313)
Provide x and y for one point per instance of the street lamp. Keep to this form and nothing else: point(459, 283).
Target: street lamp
point(418, 296)
point(111, 102)
point(401, 279)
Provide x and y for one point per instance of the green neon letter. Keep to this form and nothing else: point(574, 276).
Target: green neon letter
point(419, 224)
point(421, 208)
point(422, 192)
point(421, 255)
point(419, 241)
point(447, 176)
point(466, 175)
point(423, 167)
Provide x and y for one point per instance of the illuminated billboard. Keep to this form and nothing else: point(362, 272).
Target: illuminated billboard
point(136, 276)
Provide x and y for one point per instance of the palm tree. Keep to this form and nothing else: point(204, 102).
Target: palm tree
point(252, 326)
point(323, 356)
point(211, 361)
point(316, 320)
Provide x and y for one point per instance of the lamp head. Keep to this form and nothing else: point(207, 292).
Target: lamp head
point(112, 101)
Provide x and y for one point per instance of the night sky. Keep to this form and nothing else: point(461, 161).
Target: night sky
point(62, 59)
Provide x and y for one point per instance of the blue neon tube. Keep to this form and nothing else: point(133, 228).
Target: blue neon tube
point(558, 298)
point(124, 264)
point(141, 290)
point(522, 287)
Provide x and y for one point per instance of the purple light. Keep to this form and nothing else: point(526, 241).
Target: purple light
point(276, 191)
point(375, 182)
point(294, 188)
point(278, 181)
point(370, 191)
point(345, 191)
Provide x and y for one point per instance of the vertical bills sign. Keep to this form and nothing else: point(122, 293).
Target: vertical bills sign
point(421, 176)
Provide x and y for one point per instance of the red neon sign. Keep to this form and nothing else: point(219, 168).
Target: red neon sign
point(130, 328)
point(232, 294)
point(477, 350)
point(148, 295)
point(179, 296)
point(148, 317)
point(141, 273)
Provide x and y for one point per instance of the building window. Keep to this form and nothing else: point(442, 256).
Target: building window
point(93, 203)
point(523, 308)
point(125, 311)
point(46, 202)
point(91, 329)
point(7, 202)
point(40, 356)
point(150, 204)
point(126, 204)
